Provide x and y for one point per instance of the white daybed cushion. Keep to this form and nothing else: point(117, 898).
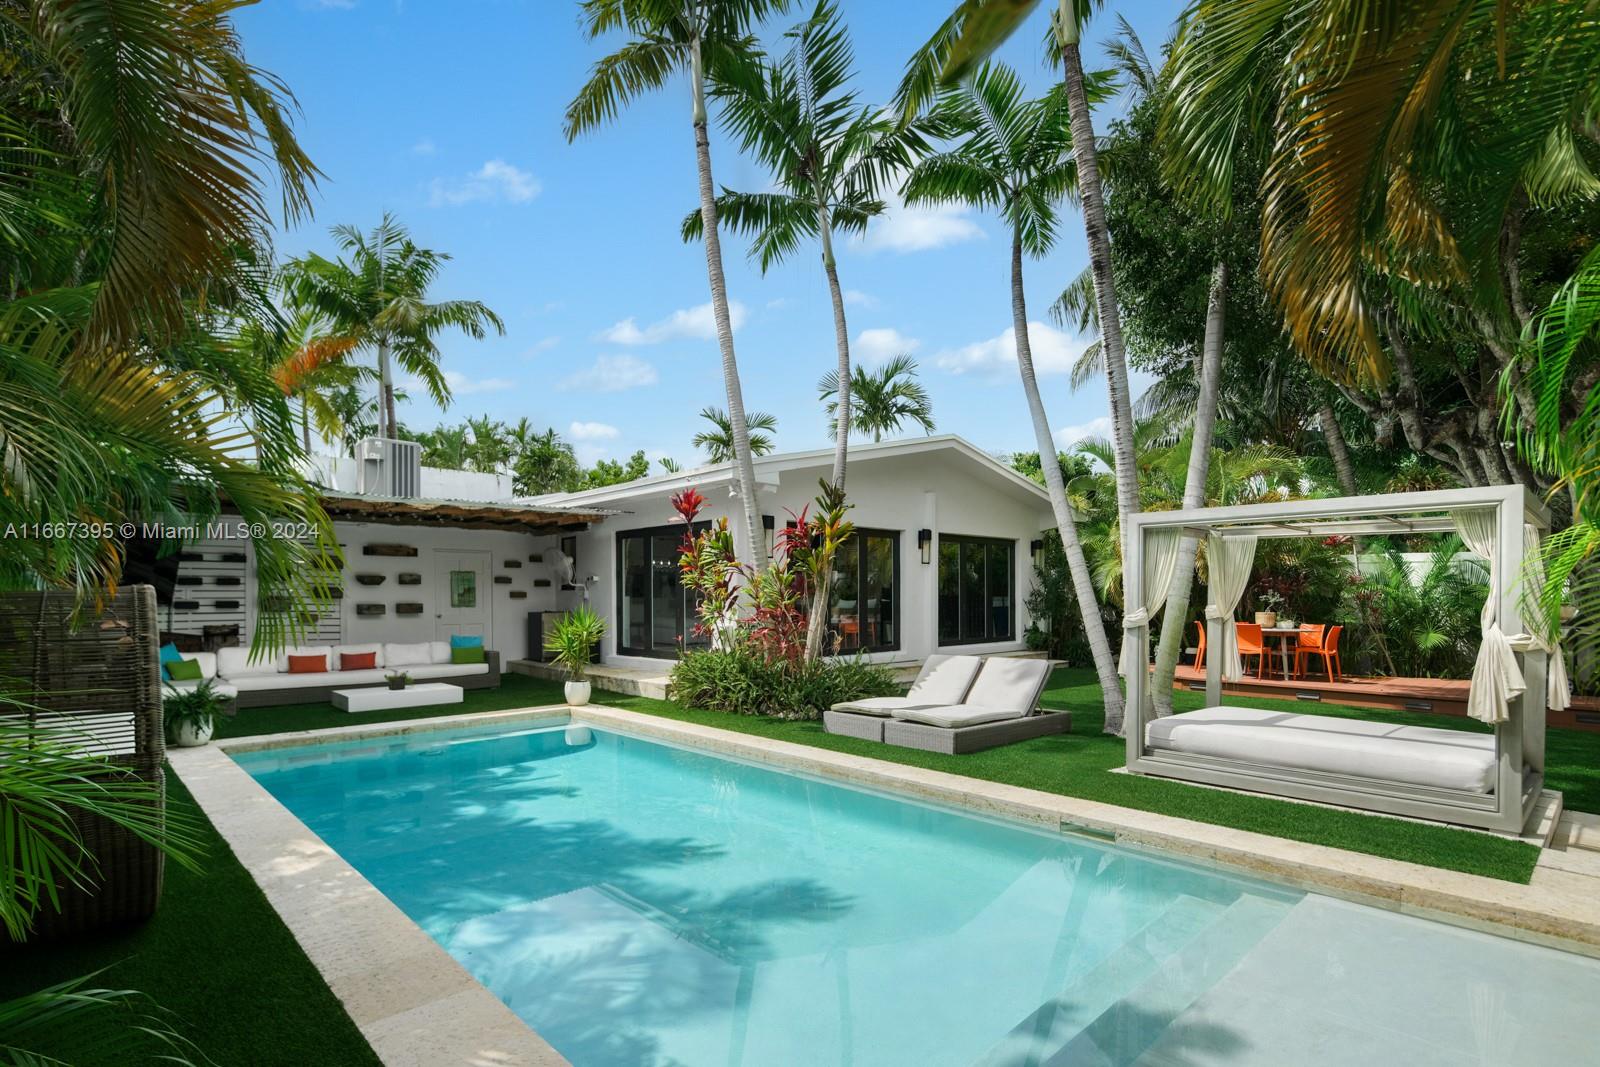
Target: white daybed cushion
point(207, 661)
point(943, 680)
point(257, 682)
point(447, 670)
point(955, 716)
point(1416, 755)
point(399, 655)
point(879, 705)
point(235, 663)
point(355, 650)
point(1007, 683)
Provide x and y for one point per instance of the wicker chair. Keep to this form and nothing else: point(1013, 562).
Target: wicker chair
point(98, 675)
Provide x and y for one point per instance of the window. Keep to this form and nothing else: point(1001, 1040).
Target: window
point(976, 579)
point(463, 589)
point(864, 602)
point(655, 615)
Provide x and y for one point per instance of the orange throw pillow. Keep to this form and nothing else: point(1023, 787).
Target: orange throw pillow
point(308, 664)
point(358, 661)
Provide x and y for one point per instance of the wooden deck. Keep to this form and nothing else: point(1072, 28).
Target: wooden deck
point(1442, 696)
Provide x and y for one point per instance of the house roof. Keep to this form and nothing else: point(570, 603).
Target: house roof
point(516, 516)
point(768, 468)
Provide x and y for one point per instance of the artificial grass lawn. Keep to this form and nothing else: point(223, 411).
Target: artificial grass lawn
point(217, 957)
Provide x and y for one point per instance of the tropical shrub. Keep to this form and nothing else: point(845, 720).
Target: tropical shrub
point(571, 643)
point(1418, 629)
point(744, 681)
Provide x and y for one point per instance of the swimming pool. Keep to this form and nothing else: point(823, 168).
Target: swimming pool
point(643, 904)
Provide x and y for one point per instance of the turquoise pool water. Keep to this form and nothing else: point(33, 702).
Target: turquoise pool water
point(644, 905)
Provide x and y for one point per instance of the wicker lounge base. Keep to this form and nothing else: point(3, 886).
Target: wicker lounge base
point(849, 724)
point(974, 738)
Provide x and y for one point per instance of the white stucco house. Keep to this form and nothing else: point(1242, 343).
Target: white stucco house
point(941, 561)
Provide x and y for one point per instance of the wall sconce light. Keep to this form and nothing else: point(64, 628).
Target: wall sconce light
point(768, 526)
point(1037, 548)
point(925, 545)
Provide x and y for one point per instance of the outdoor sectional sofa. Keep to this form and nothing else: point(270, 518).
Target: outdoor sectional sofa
point(263, 683)
point(957, 704)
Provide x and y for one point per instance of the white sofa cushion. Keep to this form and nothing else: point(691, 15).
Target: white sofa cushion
point(438, 651)
point(221, 689)
point(337, 679)
point(447, 670)
point(1007, 683)
point(1418, 755)
point(355, 650)
point(955, 716)
point(207, 661)
point(325, 651)
point(236, 663)
point(400, 655)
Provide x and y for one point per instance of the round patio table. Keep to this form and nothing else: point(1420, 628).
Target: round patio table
point(1285, 636)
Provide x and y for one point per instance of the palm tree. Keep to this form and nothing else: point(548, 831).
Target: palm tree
point(308, 361)
point(829, 157)
point(1016, 159)
point(378, 297)
point(446, 447)
point(881, 399)
point(697, 37)
point(719, 440)
point(491, 448)
point(546, 464)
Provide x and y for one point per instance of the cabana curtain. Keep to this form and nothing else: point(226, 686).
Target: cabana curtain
point(1545, 630)
point(1160, 562)
point(1228, 564)
point(1496, 678)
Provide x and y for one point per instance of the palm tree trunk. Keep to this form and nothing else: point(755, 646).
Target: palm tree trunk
point(743, 463)
point(305, 423)
point(1175, 616)
point(1338, 451)
point(841, 340)
point(386, 420)
point(1082, 585)
point(1112, 350)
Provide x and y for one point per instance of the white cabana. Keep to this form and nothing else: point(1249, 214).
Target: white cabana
point(1470, 779)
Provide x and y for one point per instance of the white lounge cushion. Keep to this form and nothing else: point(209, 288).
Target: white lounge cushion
point(942, 680)
point(399, 655)
point(236, 663)
point(447, 670)
point(955, 716)
point(438, 651)
point(882, 706)
point(1007, 683)
point(355, 650)
point(258, 682)
point(325, 651)
point(207, 661)
point(1416, 755)
point(221, 689)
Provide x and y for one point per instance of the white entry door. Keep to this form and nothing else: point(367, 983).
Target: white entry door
point(463, 603)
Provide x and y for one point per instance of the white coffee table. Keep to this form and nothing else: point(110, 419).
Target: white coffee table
point(382, 698)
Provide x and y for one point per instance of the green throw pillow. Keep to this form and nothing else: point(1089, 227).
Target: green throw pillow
point(184, 670)
point(467, 655)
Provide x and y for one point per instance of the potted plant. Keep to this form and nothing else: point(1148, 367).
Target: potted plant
point(191, 714)
point(1267, 616)
point(398, 680)
point(571, 644)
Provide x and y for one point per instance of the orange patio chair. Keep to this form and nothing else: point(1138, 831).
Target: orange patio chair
point(1328, 652)
point(1200, 649)
point(1251, 643)
point(1309, 640)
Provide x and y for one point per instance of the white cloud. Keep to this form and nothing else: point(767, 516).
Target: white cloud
point(461, 385)
point(1068, 436)
point(496, 180)
point(857, 298)
point(696, 323)
point(1054, 352)
point(543, 344)
point(424, 147)
point(917, 229)
point(613, 374)
point(778, 303)
point(880, 344)
point(592, 431)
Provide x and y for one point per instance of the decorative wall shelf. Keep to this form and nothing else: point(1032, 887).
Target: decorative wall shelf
point(408, 608)
point(502, 579)
point(519, 594)
point(388, 550)
point(227, 579)
point(371, 579)
point(191, 557)
point(225, 605)
point(513, 563)
point(186, 605)
point(536, 557)
point(370, 610)
point(188, 579)
point(409, 578)
point(275, 603)
point(541, 583)
point(233, 557)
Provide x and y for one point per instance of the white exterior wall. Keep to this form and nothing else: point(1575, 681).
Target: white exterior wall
point(903, 493)
point(343, 473)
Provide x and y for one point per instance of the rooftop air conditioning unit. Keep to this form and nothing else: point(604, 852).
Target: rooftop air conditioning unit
point(388, 468)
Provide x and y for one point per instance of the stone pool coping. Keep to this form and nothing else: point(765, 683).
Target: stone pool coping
point(416, 1005)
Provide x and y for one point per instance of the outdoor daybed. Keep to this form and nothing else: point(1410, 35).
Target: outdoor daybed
point(1492, 781)
point(998, 707)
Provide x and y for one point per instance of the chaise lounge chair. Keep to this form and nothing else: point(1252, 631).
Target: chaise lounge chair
point(1001, 707)
point(942, 680)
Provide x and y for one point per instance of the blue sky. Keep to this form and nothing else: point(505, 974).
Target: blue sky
point(448, 114)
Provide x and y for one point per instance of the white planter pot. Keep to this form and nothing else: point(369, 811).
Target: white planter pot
point(191, 734)
point(577, 693)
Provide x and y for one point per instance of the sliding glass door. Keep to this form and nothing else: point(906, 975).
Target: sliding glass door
point(655, 615)
point(864, 608)
point(976, 579)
